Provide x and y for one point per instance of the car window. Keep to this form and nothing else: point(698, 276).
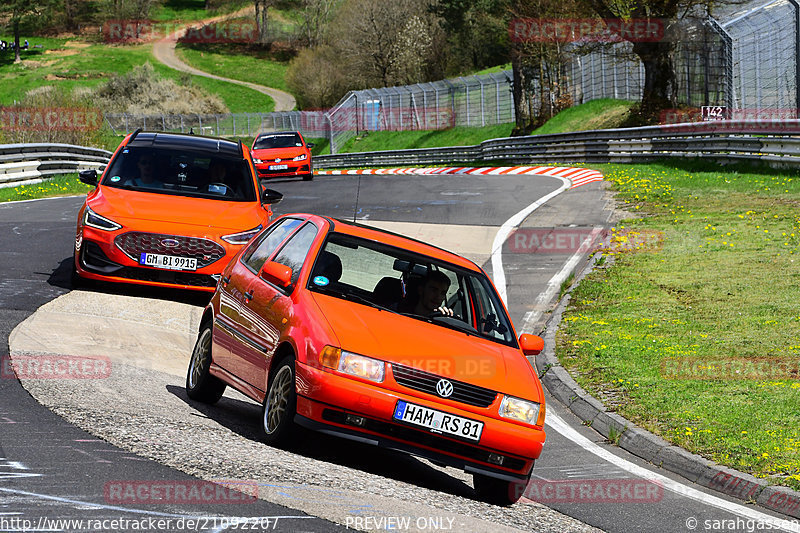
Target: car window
point(376, 274)
point(182, 172)
point(263, 247)
point(281, 140)
point(294, 252)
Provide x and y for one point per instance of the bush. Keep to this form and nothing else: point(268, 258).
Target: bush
point(143, 92)
point(52, 114)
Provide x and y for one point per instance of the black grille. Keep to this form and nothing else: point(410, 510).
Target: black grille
point(426, 382)
point(135, 243)
point(425, 438)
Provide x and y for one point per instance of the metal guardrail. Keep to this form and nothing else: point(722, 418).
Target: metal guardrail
point(774, 143)
point(24, 164)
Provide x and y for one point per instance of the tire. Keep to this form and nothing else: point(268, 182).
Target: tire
point(75, 279)
point(201, 386)
point(280, 405)
point(498, 491)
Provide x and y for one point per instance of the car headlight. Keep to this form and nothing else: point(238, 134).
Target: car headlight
point(521, 410)
point(301, 157)
point(257, 161)
point(353, 364)
point(93, 220)
point(243, 237)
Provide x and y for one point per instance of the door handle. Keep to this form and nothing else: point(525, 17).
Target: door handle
point(248, 295)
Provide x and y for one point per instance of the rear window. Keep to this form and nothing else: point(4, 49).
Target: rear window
point(279, 140)
point(183, 173)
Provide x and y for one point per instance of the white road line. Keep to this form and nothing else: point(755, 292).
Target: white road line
point(498, 275)
point(557, 423)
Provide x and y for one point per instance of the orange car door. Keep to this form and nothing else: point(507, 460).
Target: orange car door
point(266, 312)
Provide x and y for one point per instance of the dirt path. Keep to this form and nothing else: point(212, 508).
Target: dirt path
point(164, 51)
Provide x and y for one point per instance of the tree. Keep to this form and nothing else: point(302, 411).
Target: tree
point(316, 15)
point(262, 19)
point(539, 86)
point(22, 13)
point(660, 89)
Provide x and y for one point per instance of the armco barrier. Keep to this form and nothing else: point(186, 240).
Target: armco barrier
point(772, 142)
point(23, 164)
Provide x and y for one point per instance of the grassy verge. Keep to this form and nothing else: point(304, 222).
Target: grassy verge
point(714, 282)
point(66, 185)
point(193, 10)
point(401, 140)
point(72, 64)
point(238, 62)
point(595, 115)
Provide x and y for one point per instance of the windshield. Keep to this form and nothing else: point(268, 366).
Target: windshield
point(182, 172)
point(416, 286)
point(282, 140)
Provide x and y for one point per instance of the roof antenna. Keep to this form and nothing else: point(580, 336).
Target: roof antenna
point(358, 192)
point(191, 131)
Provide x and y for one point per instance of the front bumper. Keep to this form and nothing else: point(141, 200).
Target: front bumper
point(300, 168)
point(325, 400)
point(97, 257)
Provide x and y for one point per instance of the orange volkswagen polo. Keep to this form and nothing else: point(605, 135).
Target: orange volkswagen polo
point(379, 338)
point(169, 210)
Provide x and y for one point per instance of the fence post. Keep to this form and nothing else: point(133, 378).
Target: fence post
point(330, 133)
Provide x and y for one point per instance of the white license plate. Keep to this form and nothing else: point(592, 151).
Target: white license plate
point(278, 167)
point(438, 421)
point(170, 262)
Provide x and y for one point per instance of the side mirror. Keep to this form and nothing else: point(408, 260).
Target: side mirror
point(531, 344)
point(309, 145)
point(270, 196)
point(89, 177)
point(276, 273)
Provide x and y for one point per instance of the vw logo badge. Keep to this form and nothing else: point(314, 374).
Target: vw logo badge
point(169, 243)
point(277, 159)
point(444, 388)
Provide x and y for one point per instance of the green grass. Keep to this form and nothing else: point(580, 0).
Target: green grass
point(66, 185)
point(497, 68)
point(192, 10)
point(238, 62)
point(711, 273)
point(73, 64)
point(595, 115)
point(401, 140)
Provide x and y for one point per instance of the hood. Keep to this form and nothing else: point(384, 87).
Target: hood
point(436, 349)
point(283, 153)
point(121, 204)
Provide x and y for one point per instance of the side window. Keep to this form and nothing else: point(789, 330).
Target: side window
point(294, 252)
point(259, 252)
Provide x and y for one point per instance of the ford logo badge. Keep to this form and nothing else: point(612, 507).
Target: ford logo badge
point(170, 243)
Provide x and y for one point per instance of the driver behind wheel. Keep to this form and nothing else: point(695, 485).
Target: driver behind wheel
point(431, 295)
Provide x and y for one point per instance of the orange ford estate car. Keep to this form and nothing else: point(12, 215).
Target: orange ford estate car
point(379, 338)
point(169, 210)
point(283, 153)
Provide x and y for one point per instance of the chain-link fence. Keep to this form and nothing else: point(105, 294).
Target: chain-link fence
point(310, 123)
point(480, 100)
point(745, 58)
